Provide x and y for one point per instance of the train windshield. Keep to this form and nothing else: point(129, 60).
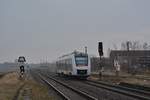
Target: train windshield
point(81, 60)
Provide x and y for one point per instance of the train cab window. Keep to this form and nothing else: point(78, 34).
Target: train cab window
point(81, 60)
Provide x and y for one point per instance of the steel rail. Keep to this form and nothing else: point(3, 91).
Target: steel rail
point(114, 88)
point(89, 97)
point(64, 97)
point(49, 84)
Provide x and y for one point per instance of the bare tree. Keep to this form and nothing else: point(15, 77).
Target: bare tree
point(123, 46)
point(115, 47)
point(133, 45)
point(129, 45)
point(108, 52)
point(145, 46)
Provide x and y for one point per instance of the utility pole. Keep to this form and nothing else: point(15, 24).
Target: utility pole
point(86, 49)
point(128, 49)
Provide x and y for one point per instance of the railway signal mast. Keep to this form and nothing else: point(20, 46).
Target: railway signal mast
point(100, 51)
point(21, 61)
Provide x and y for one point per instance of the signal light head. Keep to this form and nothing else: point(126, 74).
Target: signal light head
point(100, 48)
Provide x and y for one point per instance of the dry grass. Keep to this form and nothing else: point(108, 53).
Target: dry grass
point(35, 91)
point(127, 79)
point(8, 86)
point(10, 83)
point(133, 80)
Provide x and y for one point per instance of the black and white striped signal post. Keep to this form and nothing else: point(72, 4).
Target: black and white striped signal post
point(21, 61)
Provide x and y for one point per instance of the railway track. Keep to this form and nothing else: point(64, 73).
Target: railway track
point(66, 92)
point(40, 79)
point(138, 87)
point(51, 85)
point(101, 94)
point(139, 94)
point(110, 91)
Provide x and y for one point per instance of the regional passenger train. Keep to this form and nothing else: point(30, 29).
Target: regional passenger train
point(74, 64)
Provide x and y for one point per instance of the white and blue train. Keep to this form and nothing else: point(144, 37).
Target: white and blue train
point(74, 64)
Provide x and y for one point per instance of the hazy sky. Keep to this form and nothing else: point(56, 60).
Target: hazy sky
point(46, 29)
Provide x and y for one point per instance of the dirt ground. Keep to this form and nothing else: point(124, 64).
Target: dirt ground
point(128, 79)
point(10, 83)
point(35, 91)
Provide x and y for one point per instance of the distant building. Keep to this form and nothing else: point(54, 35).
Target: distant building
point(131, 59)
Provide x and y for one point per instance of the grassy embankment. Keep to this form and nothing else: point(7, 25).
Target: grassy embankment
point(9, 84)
point(133, 79)
point(35, 91)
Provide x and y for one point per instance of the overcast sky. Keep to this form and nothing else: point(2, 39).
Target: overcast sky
point(46, 29)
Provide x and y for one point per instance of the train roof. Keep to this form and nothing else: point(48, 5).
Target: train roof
point(73, 53)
